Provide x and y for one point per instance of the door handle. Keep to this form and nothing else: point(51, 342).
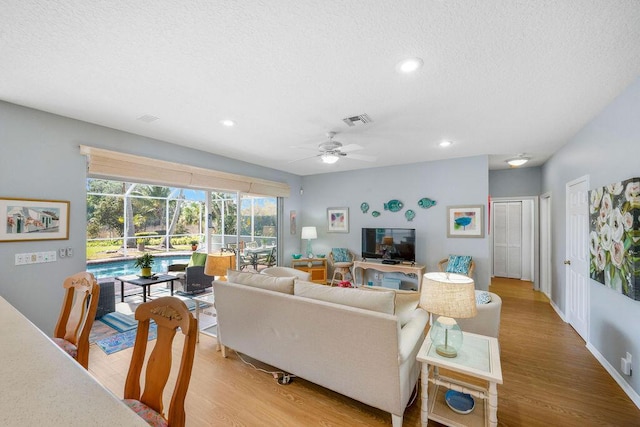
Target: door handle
point(567, 262)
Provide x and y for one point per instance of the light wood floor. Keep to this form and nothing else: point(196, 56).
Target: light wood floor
point(550, 379)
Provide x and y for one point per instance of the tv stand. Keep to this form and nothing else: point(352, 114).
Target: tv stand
point(414, 270)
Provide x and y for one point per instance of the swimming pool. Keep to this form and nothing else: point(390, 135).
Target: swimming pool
point(122, 267)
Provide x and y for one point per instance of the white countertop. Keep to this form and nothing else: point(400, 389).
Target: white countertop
point(42, 385)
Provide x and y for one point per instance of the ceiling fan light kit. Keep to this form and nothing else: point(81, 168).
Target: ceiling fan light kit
point(329, 158)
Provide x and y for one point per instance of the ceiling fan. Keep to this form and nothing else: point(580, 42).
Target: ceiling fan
point(331, 151)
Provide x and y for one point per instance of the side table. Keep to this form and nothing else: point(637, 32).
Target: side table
point(479, 357)
point(202, 300)
point(316, 266)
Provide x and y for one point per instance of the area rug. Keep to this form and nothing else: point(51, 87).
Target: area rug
point(124, 340)
point(119, 321)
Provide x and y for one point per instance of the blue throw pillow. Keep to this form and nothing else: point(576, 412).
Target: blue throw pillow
point(482, 297)
point(458, 264)
point(341, 255)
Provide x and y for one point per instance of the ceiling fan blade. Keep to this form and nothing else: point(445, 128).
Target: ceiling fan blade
point(303, 158)
point(351, 147)
point(306, 148)
point(362, 157)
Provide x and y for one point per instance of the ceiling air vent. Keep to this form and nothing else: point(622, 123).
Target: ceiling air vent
point(362, 118)
point(148, 118)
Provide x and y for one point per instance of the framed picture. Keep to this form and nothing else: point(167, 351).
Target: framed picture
point(338, 220)
point(293, 229)
point(465, 221)
point(32, 219)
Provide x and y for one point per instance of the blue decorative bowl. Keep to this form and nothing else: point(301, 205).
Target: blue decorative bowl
point(321, 255)
point(296, 256)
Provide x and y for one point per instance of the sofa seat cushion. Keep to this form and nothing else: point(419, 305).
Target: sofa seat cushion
point(382, 302)
point(272, 283)
point(405, 302)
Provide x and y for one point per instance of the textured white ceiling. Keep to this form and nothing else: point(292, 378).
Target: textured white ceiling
point(500, 77)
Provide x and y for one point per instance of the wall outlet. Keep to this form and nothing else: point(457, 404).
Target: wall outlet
point(62, 252)
point(625, 364)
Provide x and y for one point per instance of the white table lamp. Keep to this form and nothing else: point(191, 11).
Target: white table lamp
point(309, 233)
point(450, 296)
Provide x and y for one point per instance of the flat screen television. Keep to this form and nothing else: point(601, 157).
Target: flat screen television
point(389, 243)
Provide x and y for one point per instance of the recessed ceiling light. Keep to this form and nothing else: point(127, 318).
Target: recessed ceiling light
point(228, 122)
point(409, 65)
point(445, 143)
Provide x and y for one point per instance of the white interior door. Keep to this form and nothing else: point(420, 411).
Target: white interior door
point(507, 239)
point(577, 256)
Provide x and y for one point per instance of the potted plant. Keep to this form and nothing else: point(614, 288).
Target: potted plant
point(194, 245)
point(144, 263)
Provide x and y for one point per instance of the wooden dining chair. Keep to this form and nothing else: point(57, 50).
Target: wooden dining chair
point(79, 307)
point(169, 314)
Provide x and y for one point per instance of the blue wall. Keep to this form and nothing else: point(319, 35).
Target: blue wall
point(41, 159)
point(607, 150)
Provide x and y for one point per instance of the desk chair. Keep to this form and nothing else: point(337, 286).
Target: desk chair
point(169, 313)
point(342, 260)
point(76, 316)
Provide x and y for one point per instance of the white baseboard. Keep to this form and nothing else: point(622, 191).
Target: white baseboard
point(557, 310)
point(635, 397)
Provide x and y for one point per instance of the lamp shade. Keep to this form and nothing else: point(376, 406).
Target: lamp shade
point(309, 233)
point(448, 294)
point(217, 264)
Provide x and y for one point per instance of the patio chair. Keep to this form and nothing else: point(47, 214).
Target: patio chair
point(194, 280)
point(169, 314)
point(268, 259)
point(76, 316)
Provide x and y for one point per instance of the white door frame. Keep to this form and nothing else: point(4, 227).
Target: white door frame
point(577, 287)
point(545, 244)
point(536, 235)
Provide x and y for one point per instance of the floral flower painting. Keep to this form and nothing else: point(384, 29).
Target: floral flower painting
point(614, 238)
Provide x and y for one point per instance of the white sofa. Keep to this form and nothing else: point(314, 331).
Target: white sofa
point(360, 350)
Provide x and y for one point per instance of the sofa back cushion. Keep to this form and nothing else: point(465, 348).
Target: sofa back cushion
point(382, 302)
point(405, 302)
point(272, 283)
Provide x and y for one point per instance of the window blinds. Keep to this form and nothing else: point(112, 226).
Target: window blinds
point(109, 164)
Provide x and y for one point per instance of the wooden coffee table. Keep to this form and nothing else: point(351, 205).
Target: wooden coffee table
point(144, 283)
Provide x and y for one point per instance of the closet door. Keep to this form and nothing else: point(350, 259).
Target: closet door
point(507, 239)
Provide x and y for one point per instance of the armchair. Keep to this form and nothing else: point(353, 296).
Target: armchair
point(460, 264)
point(194, 279)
